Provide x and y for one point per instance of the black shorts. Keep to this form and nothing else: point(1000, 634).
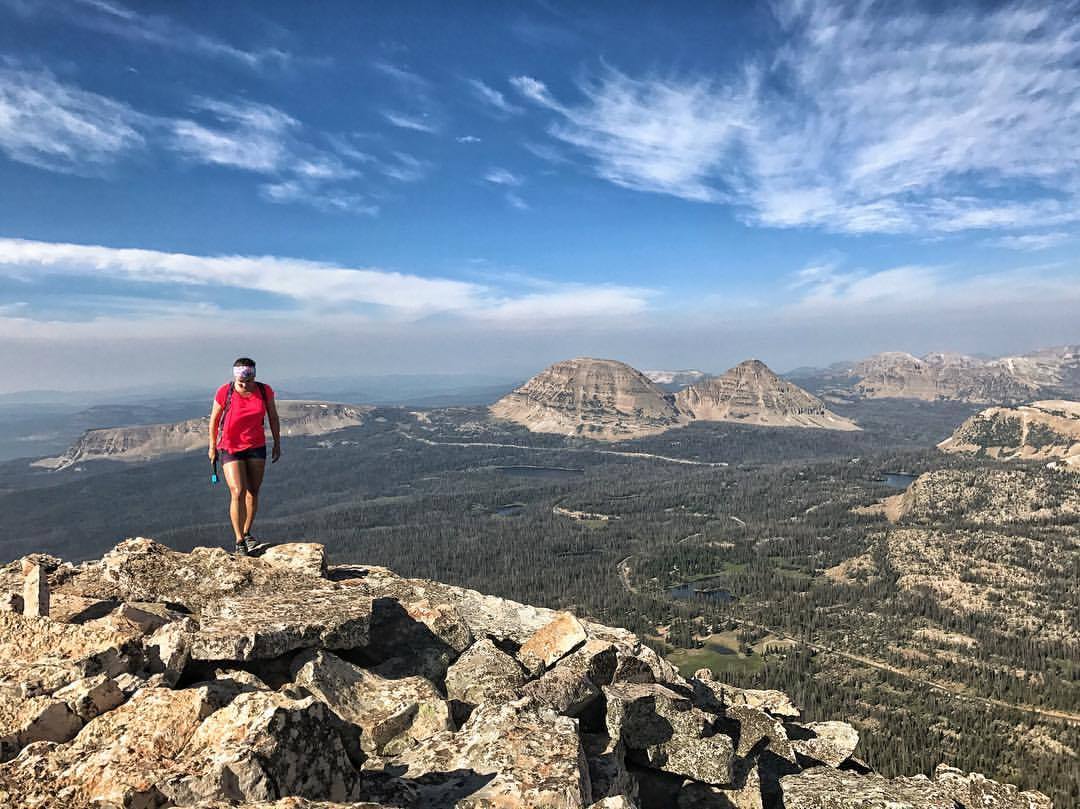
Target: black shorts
point(251, 453)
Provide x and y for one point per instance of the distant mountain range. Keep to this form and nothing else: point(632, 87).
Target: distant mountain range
point(609, 401)
point(1049, 373)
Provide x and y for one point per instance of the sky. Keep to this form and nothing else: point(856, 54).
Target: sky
point(350, 188)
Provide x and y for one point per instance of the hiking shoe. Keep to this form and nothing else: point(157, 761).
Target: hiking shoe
point(251, 545)
point(240, 549)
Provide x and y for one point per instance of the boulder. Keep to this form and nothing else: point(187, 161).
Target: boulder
point(168, 650)
point(755, 725)
point(519, 756)
point(484, 673)
point(826, 788)
point(23, 721)
point(300, 557)
point(117, 759)
point(263, 746)
point(383, 709)
point(662, 730)
point(551, 643)
point(715, 697)
point(975, 791)
point(423, 637)
point(744, 793)
point(90, 697)
point(11, 602)
point(832, 743)
point(313, 613)
point(564, 690)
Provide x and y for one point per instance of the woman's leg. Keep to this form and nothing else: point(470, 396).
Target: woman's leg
point(253, 473)
point(236, 477)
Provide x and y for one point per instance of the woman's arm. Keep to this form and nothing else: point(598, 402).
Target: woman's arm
point(215, 417)
point(275, 428)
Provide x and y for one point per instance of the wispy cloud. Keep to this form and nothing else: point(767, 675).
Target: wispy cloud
point(306, 284)
point(515, 201)
point(418, 123)
point(493, 99)
point(467, 139)
point(1032, 241)
point(404, 168)
point(158, 30)
point(244, 135)
point(867, 119)
point(500, 176)
point(56, 126)
point(650, 135)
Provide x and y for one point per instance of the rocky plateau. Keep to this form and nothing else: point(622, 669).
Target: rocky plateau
point(146, 442)
point(1040, 431)
point(151, 678)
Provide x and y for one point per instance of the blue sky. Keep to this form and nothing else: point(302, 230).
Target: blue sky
point(490, 187)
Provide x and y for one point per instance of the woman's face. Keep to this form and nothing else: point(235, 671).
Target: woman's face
point(244, 376)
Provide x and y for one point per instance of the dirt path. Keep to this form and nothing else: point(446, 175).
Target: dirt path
point(624, 570)
point(667, 458)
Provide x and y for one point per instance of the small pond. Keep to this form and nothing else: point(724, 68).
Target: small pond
point(510, 509)
point(897, 480)
point(689, 590)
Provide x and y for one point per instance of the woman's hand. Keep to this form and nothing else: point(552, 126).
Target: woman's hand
point(275, 453)
point(212, 454)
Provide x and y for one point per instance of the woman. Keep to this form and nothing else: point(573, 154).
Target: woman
point(240, 407)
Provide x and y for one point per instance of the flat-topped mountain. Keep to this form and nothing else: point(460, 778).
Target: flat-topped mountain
point(153, 679)
point(750, 393)
point(594, 398)
point(1047, 430)
point(149, 441)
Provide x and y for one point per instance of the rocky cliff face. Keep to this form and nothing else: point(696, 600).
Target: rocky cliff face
point(1048, 430)
point(154, 440)
point(750, 393)
point(601, 399)
point(168, 679)
point(941, 376)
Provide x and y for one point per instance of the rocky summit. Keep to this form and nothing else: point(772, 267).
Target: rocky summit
point(146, 442)
point(152, 678)
point(953, 377)
point(1048, 430)
point(750, 393)
point(602, 399)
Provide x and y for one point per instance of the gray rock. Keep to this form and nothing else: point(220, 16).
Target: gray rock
point(522, 756)
point(716, 697)
point(745, 793)
point(975, 791)
point(661, 729)
point(551, 643)
point(24, 721)
point(168, 650)
point(755, 725)
point(251, 627)
point(263, 746)
point(300, 557)
point(607, 768)
point(832, 742)
point(826, 788)
point(383, 709)
point(484, 673)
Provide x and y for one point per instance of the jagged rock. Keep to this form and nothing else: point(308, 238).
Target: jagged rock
point(301, 557)
point(383, 709)
point(168, 650)
point(564, 690)
point(116, 760)
point(975, 791)
point(424, 637)
point(35, 590)
point(11, 602)
point(826, 788)
point(636, 662)
point(832, 742)
point(24, 721)
point(90, 697)
point(551, 643)
point(519, 756)
point(715, 697)
point(744, 794)
point(755, 725)
point(241, 679)
point(661, 729)
point(146, 616)
point(607, 767)
point(484, 673)
point(250, 627)
point(264, 746)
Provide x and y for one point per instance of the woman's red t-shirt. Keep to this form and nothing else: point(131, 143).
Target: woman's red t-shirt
point(243, 424)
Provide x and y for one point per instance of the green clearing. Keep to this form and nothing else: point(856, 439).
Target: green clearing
point(719, 654)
